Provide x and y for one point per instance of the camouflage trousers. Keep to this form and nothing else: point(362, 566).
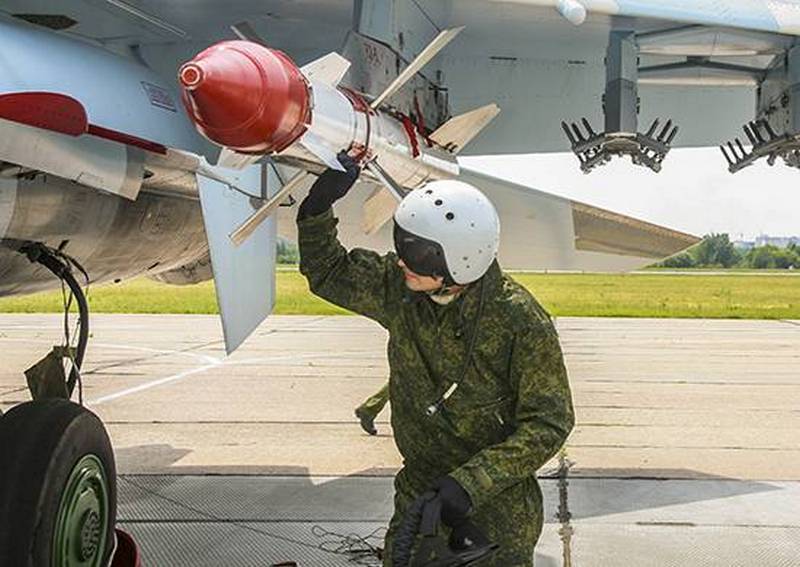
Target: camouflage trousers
point(375, 404)
point(513, 519)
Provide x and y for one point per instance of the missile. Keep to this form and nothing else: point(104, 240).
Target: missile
point(254, 101)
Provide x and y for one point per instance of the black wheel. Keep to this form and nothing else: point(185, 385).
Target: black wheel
point(58, 491)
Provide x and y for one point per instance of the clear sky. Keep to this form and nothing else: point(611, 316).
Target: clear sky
point(694, 191)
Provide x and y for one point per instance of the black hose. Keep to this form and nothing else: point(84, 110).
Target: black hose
point(61, 269)
point(421, 522)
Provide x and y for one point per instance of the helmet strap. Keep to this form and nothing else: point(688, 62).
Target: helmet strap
point(445, 294)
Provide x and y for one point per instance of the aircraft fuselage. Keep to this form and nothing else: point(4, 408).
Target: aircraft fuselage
point(84, 165)
point(112, 237)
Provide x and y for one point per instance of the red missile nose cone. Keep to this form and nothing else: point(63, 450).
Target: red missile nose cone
point(245, 96)
point(190, 75)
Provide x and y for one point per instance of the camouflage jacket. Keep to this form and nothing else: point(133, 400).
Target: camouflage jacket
point(512, 409)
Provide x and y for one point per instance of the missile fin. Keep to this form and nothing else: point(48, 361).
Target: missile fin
point(459, 131)
point(433, 48)
point(381, 205)
point(329, 69)
point(377, 210)
point(317, 147)
point(249, 226)
point(244, 275)
point(395, 189)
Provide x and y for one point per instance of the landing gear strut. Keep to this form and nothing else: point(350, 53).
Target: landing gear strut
point(46, 378)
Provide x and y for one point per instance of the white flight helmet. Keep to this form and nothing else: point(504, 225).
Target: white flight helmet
point(447, 228)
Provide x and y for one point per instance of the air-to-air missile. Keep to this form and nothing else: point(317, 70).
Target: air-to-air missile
point(254, 101)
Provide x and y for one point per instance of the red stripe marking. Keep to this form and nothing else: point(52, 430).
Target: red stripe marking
point(127, 139)
point(360, 105)
point(408, 125)
point(65, 115)
point(359, 102)
point(49, 111)
point(421, 123)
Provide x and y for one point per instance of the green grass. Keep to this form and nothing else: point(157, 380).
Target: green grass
point(666, 295)
point(585, 295)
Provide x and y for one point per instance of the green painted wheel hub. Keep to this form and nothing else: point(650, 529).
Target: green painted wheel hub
point(79, 539)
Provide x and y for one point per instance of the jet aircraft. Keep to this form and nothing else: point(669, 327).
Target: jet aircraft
point(113, 113)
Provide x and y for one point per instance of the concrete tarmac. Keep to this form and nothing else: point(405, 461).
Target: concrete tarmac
point(686, 450)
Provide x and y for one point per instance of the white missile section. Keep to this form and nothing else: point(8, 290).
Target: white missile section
point(321, 150)
point(341, 120)
point(320, 118)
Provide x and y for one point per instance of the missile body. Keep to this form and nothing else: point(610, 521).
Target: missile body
point(255, 100)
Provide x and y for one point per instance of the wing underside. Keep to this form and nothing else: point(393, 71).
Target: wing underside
point(540, 231)
point(539, 68)
point(776, 16)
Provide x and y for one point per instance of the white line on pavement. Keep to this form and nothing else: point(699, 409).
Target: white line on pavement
point(217, 363)
point(153, 384)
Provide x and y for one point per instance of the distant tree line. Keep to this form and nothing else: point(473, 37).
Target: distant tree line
point(287, 252)
point(717, 251)
point(714, 251)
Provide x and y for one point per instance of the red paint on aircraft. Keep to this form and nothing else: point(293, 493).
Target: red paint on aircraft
point(65, 115)
point(49, 111)
point(126, 139)
point(246, 97)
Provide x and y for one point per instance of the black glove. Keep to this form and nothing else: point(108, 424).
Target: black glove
point(467, 536)
point(456, 503)
point(331, 186)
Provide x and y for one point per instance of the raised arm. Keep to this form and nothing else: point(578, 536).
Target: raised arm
point(358, 280)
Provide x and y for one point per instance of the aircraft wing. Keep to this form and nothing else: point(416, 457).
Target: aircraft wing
point(548, 66)
point(777, 16)
point(540, 231)
point(702, 62)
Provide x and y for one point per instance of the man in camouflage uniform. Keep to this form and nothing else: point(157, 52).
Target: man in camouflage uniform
point(479, 392)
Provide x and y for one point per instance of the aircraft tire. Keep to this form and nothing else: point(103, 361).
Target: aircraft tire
point(58, 489)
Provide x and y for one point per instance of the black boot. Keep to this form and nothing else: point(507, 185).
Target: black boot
point(367, 421)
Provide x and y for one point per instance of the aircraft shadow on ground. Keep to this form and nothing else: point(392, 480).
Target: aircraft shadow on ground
point(252, 506)
point(597, 493)
point(171, 493)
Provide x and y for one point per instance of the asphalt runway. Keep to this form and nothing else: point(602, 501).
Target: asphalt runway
point(686, 450)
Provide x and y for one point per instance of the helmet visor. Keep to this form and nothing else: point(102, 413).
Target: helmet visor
point(420, 255)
